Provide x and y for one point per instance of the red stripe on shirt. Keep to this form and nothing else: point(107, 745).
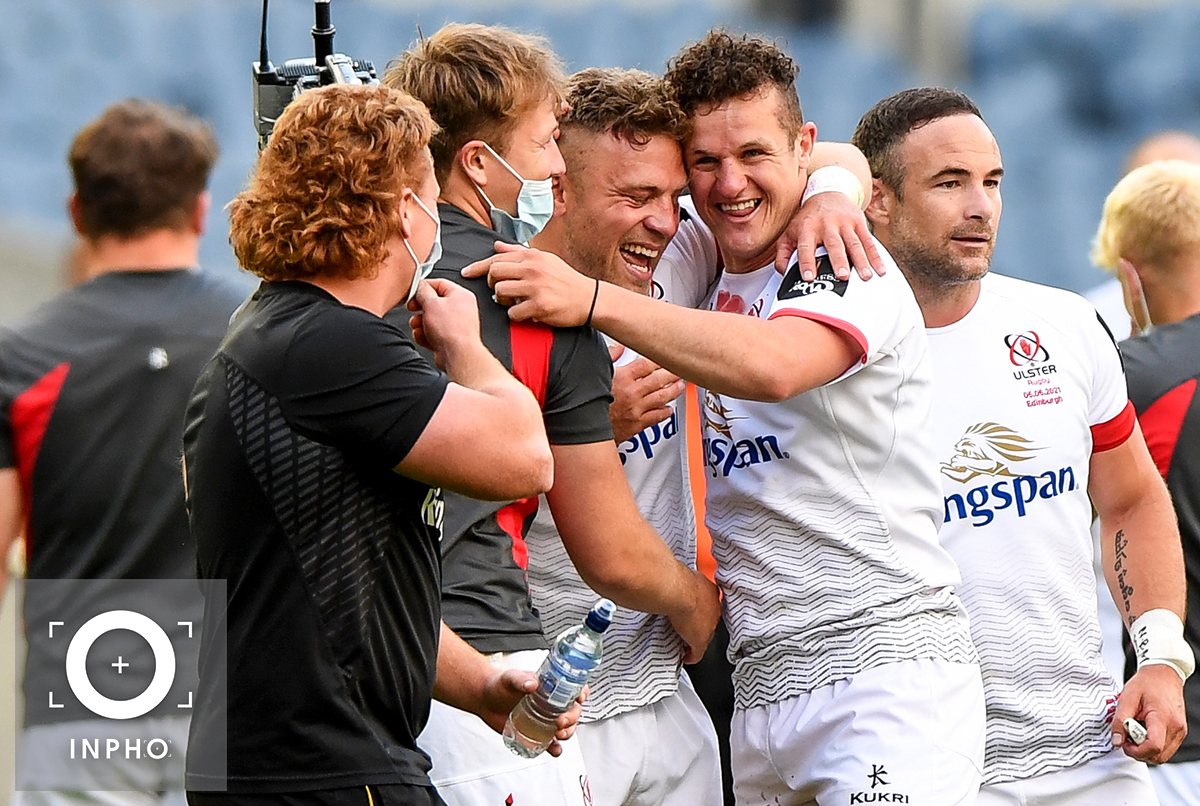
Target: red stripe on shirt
point(531, 343)
point(837, 324)
point(1112, 434)
point(1162, 421)
point(29, 416)
point(512, 520)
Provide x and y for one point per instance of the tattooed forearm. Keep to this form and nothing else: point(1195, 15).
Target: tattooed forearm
point(1121, 543)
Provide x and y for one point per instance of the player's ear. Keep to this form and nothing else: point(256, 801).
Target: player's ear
point(75, 209)
point(471, 160)
point(883, 200)
point(407, 205)
point(200, 210)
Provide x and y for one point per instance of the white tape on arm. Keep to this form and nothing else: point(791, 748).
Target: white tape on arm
point(834, 177)
point(1157, 637)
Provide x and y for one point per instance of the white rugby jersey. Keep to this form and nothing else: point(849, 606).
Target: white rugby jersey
point(642, 652)
point(824, 508)
point(1029, 386)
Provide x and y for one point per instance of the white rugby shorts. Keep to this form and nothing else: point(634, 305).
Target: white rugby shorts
point(908, 732)
point(662, 754)
point(472, 765)
point(1113, 779)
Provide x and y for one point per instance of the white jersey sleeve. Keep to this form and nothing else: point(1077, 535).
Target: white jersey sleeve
point(867, 310)
point(691, 262)
point(1110, 397)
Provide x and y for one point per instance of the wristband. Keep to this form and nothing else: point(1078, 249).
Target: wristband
point(834, 177)
point(1157, 637)
point(595, 295)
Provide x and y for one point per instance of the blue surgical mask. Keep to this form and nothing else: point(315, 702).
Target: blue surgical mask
point(535, 206)
point(424, 268)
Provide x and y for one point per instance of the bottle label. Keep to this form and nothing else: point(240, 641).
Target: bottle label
point(560, 692)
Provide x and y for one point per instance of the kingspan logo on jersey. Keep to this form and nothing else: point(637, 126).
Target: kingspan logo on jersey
point(643, 443)
point(990, 450)
point(722, 453)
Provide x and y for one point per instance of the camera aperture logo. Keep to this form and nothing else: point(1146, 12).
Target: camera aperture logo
point(85, 692)
point(110, 681)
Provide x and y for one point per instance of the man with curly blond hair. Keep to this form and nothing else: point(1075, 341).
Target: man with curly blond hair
point(497, 95)
point(850, 644)
point(1150, 234)
point(317, 445)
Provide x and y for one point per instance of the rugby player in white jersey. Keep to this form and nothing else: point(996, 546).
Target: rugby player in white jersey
point(618, 209)
point(1032, 419)
point(855, 679)
point(648, 734)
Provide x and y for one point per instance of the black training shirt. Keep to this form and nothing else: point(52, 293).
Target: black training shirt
point(93, 386)
point(331, 557)
point(1162, 369)
point(485, 593)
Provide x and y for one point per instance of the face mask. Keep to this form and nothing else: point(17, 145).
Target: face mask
point(535, 206)
point(423, 268)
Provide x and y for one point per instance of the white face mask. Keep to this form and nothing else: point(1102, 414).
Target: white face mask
point(423, 268)
point(535, 206)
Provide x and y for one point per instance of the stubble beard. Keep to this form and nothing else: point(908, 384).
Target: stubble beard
point(936, 273)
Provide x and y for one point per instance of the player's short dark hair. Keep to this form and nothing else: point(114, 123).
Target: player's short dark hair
point(630, 104)
point(885, 125)
point(139, 167)
point(722, 67)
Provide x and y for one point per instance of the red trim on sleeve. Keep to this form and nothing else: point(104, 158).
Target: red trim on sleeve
point(1162, 421)
point(30, 415)
point(1113, 433)
point(833, 322)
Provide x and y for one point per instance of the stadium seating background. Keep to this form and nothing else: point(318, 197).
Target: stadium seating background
point(1066, 93)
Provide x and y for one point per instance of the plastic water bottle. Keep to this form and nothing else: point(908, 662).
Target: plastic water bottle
point(574, 655)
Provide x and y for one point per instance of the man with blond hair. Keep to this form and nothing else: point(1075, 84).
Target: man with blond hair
point(1112, 298)
point(497, 96)
point(1151, 230)
point(317, 446)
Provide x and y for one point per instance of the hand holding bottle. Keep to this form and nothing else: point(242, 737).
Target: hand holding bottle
point(534, 722)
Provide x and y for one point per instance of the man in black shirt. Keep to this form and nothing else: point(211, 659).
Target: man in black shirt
point(93, 387)
point(316, 443)
point(496, 96)
point(1150, 236)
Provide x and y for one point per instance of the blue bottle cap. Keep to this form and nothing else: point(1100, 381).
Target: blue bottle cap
point(600, 616)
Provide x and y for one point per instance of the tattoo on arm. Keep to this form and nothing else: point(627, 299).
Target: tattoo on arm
point(1121, 543)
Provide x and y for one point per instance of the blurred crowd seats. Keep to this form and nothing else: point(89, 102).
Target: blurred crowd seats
point(1066, 94)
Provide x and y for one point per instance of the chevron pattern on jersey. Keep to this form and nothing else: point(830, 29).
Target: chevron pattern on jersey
point(335, 524)
point(816, 591)
point(642, 652)
point(1049, 696)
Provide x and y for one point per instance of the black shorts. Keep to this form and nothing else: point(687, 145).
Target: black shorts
point(379, 795)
